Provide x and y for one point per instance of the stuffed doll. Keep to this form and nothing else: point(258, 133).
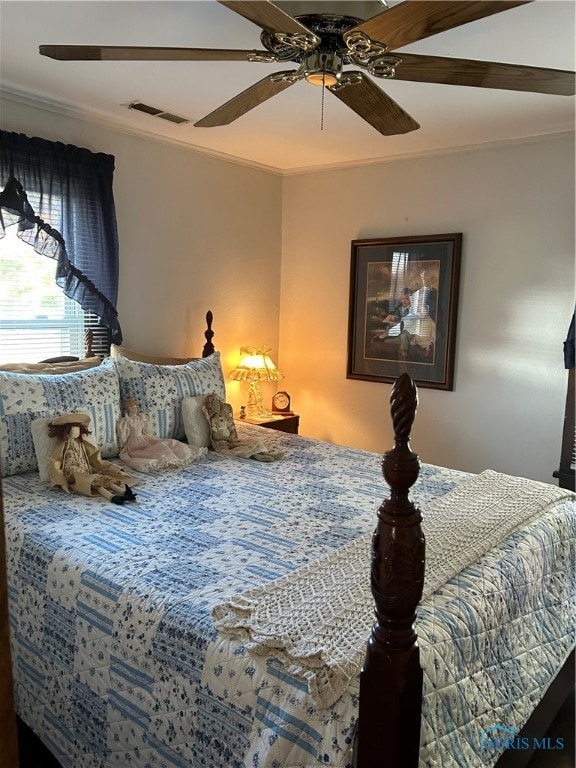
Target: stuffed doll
point(224, 438)
point(75, 464)
point(145, 453)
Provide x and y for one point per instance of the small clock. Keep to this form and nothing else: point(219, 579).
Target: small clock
point(281, 403)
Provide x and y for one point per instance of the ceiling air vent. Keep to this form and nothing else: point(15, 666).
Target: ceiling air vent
point(156, 112)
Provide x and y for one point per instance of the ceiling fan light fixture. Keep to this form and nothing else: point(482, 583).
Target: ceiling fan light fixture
point(322, 78)
point(322, 68)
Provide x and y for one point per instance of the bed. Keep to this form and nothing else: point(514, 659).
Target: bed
point(134, 629)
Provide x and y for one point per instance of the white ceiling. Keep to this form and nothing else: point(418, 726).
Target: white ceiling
point(283, 134)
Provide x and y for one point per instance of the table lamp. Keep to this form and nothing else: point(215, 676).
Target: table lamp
point(255, 366)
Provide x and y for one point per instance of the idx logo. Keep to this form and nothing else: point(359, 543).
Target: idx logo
point(501, 737)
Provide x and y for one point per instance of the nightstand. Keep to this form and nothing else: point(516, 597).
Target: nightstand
point(281, 423)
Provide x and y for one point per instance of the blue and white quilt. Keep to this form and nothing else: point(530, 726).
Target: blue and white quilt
point(117, 662)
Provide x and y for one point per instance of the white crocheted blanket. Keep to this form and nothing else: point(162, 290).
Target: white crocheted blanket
point(318, 619)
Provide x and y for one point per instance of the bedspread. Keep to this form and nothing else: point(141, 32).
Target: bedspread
point(317, 619)
point(117, 662)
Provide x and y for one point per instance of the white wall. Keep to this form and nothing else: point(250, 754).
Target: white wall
point(515, 207)
point(195, 233)
point(198, 233)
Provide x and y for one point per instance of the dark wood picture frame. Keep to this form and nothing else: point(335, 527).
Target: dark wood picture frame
point(403, 309)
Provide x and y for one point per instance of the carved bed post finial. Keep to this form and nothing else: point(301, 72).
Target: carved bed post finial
point(403, 405)
point(208, 348)
point(391, 678)
point(89, 343)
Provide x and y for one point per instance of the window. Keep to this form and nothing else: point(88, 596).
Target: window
point(37, 320)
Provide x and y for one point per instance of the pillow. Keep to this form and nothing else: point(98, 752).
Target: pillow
point(25, 397)
point(195, 422)
point(159, 389)
point(53, 368)
point(121, 351)
point(44, 445)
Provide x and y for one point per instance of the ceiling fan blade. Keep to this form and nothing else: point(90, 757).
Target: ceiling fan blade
point(142, 53)
point(414, 20)
point(257, 94)
point(373, 105)
point(485, 74)
point(269, 17)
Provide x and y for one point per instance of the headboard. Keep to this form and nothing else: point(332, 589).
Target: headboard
point(139, 357)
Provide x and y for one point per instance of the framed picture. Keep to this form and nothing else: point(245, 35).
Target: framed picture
point(403, 306)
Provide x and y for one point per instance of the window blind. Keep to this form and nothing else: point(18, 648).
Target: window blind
point(37, 320)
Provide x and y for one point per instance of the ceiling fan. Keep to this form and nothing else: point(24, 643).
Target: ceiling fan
point(322, 44)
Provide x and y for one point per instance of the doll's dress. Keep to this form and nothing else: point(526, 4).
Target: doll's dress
point(76, 465)
point(146, 453)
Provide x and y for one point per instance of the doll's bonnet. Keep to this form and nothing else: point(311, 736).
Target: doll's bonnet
point(71, 418)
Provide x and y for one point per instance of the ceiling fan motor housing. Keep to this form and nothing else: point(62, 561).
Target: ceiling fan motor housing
point(330, 28)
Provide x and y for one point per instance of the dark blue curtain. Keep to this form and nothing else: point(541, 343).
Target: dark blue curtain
point(72, 219)
point(569, 346)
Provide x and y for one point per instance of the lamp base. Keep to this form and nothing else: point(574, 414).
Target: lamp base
point(255, 408)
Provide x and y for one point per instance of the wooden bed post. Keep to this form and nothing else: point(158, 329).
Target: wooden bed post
point(208, 348)
point(391, 678)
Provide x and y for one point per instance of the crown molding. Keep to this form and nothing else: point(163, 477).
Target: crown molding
point(442, 152)
point(103, 121)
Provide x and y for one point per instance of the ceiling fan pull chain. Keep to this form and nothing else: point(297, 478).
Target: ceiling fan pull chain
point(323, 89)
point(322, 112)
